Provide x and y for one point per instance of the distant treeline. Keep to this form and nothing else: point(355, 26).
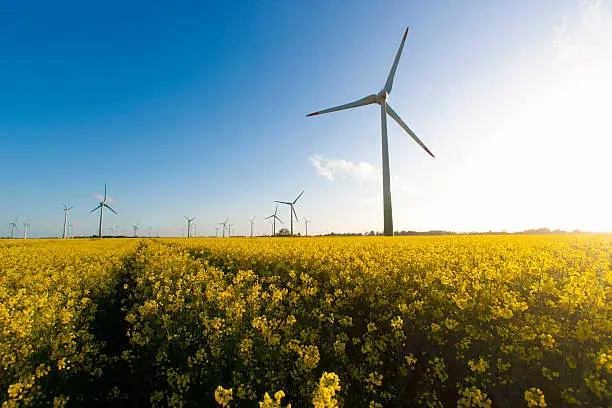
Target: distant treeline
point(442, 232)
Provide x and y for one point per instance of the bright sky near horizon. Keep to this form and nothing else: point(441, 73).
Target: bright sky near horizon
point(198, 109)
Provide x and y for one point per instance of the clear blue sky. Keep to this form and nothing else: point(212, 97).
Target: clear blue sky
point(198, 109)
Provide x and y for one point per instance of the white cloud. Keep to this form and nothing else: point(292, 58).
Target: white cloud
point(333, 168)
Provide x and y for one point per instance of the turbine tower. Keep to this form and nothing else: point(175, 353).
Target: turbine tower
point(306, 221)
point(66, 211)
point(26, 226)
point(292, 213)
point(189, 220)
point(252, 221)
point(13, 226)
point(274, 218)
point(103, 203)
point(385, 109)
point(135, 229)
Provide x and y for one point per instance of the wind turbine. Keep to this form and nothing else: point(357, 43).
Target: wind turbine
point(385, 109)
point(224, 224)
point(66, 211)
point(306, 221)
point(274, 218)
point(26, 226)
point(189, 220)
point(252, 221)
point(13, 226)
point(103, 203)
point(292, 213)
point(135, 229)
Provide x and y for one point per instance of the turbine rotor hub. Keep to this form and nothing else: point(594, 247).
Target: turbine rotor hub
point(382, 96)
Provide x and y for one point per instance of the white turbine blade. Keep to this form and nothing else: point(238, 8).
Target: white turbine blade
point(389, 83)
point(110, 209)
point(104, 192)
point(294, 214)
point(361, 102)
point(298, 197)
point(283, 202)
point(99, 205)
point(399, 120)
point(269, 217)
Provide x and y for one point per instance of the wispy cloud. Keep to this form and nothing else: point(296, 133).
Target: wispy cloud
point(340, 168)
point(333, 169)
point(586, 35)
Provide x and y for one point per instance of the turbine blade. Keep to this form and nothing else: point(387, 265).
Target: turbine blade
point(389, 83)
point(294, 214)
point(99, 205)
point(298, 197)
point(283, 202)
point(269, 217)
point(360, 102)
point(399, 120)
point(104, 192)
point(110, 209)
point(279, 219)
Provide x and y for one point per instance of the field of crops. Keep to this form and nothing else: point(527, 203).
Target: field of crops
point(407, 321)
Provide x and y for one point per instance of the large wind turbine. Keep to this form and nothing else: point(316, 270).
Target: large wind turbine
point(66, 211)
point(189, 220)
point(252, 221)
point(103, 203)
point(292, 213)
point(385, 109)
point(274, 218)
point(26, 227)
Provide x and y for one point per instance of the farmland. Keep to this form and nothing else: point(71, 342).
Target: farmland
point(374, 321)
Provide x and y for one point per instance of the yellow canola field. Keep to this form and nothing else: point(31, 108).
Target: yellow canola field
point(470, 321)
point(47, 292)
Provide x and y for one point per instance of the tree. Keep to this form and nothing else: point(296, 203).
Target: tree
point(283, 232)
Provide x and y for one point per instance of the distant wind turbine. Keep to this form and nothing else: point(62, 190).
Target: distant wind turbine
point(292, 212)
point(189, 220)
point(13, 226)
point(135, 229)
point(26, 226)
point(103, 203)
point(252, 221)
point(306, 221)
point(225, 225)
point(66, 211)
point(274, 218)
point(385, 109)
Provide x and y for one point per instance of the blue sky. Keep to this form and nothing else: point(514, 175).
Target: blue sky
point(198, 109)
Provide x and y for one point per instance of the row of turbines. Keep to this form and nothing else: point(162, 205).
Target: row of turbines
point(13, 228)
point(226, 226)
